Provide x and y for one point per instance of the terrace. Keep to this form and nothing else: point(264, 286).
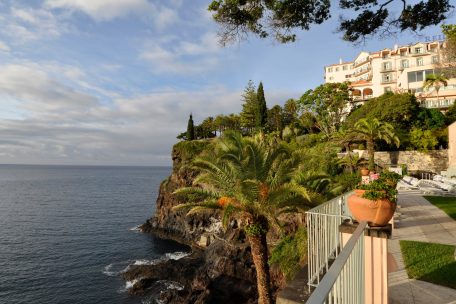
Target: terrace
point(352, 263)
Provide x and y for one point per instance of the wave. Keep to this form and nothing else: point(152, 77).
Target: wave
point(177, 255)
point(136, 228)
point(171, 284)
point(108, 271)
point(147, 262)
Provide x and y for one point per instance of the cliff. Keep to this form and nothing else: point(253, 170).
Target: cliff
point(220, 268)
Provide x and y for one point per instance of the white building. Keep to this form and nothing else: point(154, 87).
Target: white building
point(402, 69)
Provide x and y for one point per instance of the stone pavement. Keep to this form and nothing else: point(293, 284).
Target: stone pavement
point(418, 220)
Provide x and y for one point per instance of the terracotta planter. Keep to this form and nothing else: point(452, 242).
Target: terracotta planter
point(364, 172)
point(376, 213)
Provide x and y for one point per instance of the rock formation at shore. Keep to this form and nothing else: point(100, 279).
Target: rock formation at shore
point(220, 268)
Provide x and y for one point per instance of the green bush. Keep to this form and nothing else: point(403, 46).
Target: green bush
point(291, 253)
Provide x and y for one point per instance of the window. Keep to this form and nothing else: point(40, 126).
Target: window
point(337, 69)
point(345, 68)
point(418, 50)
point(387, 78)
point(435, 59)
point(387, 89)
point(387, 66)
point(404, 63)
point(419, 61)
point(331, 78)
point(403, 53)
point(330, 70)
point(385, 55)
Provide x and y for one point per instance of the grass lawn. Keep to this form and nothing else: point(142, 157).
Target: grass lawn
point(430, 262)
point(447, 204)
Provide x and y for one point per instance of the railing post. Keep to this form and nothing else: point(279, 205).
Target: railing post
point(375, 261)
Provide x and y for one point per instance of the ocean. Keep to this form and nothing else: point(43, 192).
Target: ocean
point(67, 233)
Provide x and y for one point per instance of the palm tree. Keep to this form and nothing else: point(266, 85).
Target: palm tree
point(250, 180)
point(371, 130)
point(436, 81)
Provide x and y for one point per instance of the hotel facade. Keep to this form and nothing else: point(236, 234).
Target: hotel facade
point(401, 69)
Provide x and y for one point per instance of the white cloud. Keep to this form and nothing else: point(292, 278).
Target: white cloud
point(102, 10)
point(50, 121)
point(23, 24)
point(4, 47)
point(106, 10)
point(182, 57)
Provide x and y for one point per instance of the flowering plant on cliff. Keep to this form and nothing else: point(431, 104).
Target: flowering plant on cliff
point(252, 180)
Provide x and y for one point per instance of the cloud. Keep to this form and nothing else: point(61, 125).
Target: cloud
point(4, 47)
point(182, 57)
point(106, 10)
point(24, 24)
point(52, 121)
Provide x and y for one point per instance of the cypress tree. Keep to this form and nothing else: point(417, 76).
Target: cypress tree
point(190, 129)
point(262, 110)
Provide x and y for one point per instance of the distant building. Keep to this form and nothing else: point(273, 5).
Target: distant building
point(401, 69)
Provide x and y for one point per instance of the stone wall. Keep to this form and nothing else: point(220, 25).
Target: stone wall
point(433, 161)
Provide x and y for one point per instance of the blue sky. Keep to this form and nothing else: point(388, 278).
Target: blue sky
point(105, 82)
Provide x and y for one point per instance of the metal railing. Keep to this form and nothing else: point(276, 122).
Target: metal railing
point(323, 236)
point(344, 282)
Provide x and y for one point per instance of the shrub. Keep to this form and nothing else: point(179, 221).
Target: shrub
point(291, 253)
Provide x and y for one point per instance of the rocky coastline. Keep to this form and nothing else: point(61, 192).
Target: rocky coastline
point(219, 269)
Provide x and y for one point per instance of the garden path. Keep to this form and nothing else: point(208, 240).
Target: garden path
point(418, 220)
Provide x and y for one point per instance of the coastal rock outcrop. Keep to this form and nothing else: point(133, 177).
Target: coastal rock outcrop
point(220, 268)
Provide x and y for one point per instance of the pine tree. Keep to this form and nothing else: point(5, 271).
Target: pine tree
point(261, 116)
point(190, 129)
point(249, 107)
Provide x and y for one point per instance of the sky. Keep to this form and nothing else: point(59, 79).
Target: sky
point(103, 82)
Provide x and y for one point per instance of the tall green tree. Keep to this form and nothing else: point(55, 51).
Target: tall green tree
point(249, 107)
point(251, 180)
point(290, 111)
point(261, 109)
point(190, 129)
point(328, 103)
point(275, 119)
point(280, 19)
point(370, 130)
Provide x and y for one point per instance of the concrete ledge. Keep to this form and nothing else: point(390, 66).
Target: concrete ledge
point(296, 291)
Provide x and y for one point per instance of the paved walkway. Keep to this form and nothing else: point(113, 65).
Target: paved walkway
point(418, 220)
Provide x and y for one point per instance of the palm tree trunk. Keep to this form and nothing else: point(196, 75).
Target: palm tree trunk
point(371, 153)
point(260, 259)
point(347, 149)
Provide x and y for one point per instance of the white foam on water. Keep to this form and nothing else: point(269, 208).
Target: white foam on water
point(145, 262)
point(108, 271)
point(176, 255)
point(130, 284)
point(172, 285)
point(136, 228)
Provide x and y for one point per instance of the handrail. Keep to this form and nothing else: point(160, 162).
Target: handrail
point(324, 241)
point(321, 293)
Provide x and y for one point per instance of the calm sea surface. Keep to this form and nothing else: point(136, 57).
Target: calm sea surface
point(66, 232)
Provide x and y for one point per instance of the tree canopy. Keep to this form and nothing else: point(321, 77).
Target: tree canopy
point(281, 18)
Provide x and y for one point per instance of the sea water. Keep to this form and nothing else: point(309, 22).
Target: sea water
point(68, 232)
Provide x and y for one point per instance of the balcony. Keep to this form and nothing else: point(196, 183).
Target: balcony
point(360, 63)
point(388, 81)
point(386, 69)
point(437, 104)
point(361, 72)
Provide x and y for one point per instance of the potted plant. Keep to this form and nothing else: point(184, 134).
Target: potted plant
point(375, 202)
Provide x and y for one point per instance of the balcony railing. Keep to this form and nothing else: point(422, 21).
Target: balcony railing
point(386, 81)
point(437, 104)
point(387, 69)
point(344, 282)
point(324, 238)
